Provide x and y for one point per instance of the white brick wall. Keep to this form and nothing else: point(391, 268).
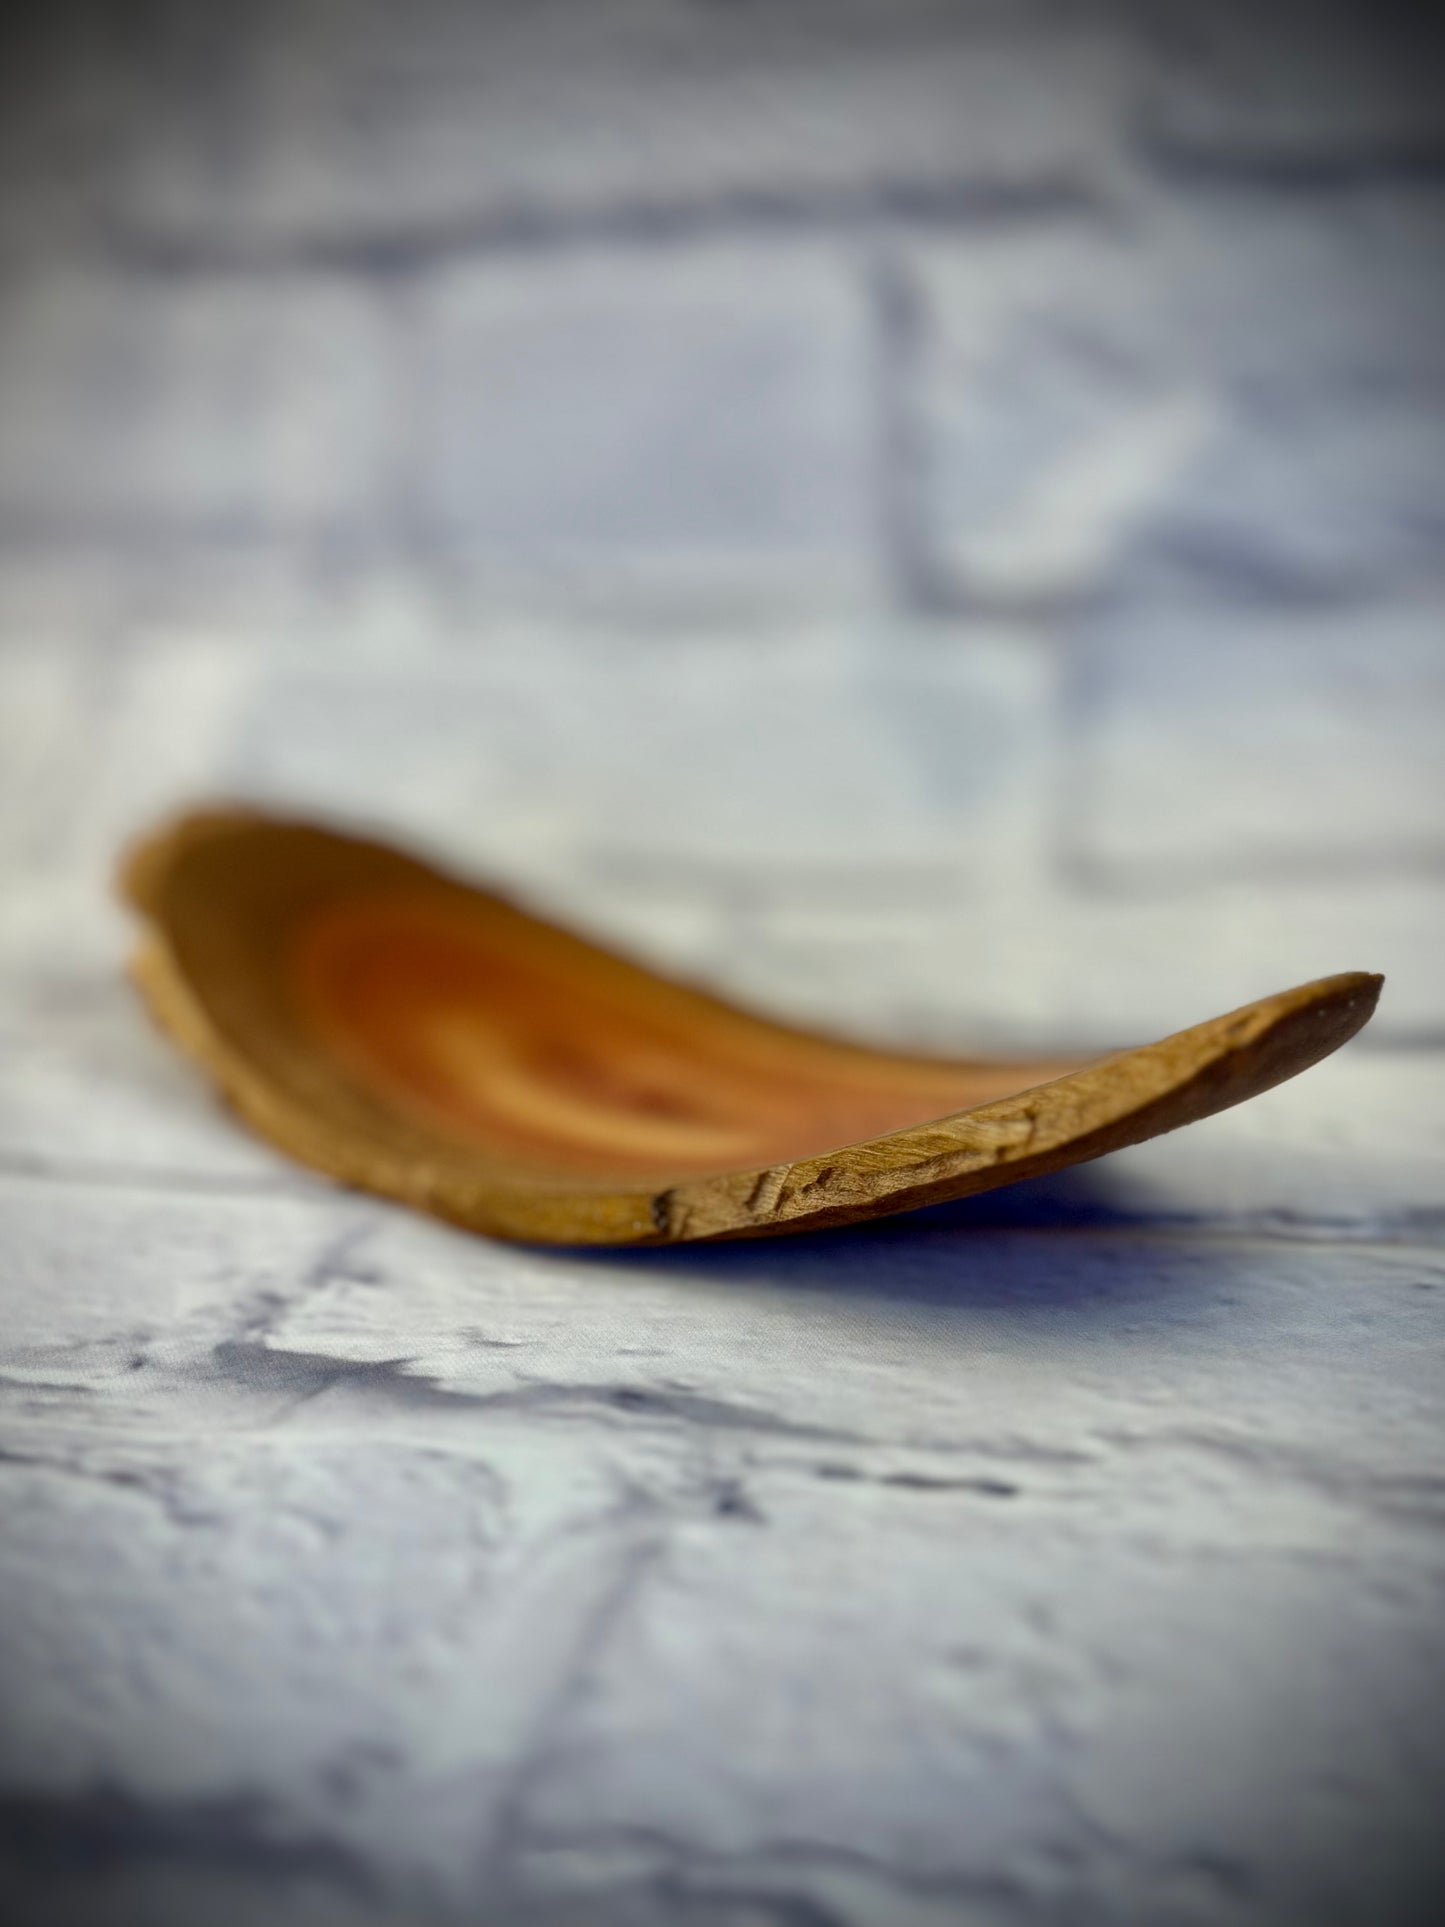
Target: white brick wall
point(1303, 87)
point(193, 410)
point(491, 120)
point(1239, 388)
point(635, 407)
point(1215, 736)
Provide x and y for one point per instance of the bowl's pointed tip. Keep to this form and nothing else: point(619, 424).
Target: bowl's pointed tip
point(1353, 987)
point(1322, 1015)
point(1363, 986)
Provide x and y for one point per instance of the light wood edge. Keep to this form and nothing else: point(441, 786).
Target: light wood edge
point(1124, 1100)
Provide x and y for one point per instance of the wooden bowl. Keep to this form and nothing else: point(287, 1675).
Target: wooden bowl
point(408, 1033)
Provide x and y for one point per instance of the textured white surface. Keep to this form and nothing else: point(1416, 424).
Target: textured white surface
point(927, 518)
point(1072, 1554)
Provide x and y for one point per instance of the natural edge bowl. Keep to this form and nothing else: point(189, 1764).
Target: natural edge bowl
point(414, 1036)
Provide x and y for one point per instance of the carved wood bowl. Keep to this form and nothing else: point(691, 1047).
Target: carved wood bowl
point(427, 1040)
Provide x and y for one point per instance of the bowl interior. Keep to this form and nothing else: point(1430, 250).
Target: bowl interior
point(491, 1029)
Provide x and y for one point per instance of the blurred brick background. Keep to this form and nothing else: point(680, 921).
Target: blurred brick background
point(928, 515)
point(928, 511)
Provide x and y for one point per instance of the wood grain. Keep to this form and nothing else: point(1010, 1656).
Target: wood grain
point(427, 1040)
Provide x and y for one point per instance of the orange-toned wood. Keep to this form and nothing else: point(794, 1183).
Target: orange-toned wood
point(429, 1041)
